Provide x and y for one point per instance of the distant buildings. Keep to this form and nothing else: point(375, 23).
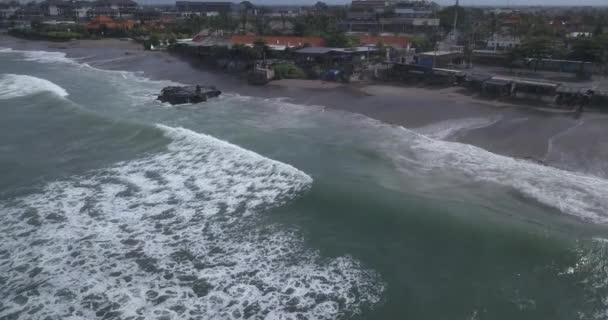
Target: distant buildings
point(502, 43)
point(209, 8)
point(411, 16)
point(8, 10)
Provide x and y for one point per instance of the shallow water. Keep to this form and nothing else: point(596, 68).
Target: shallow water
point(116, 206)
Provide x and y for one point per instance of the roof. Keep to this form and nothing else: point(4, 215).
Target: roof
point(439, 53)
point(323, 50)
point(280, 41)
point(314, 50)
point(109, 23)
point(391, 41)
point(497, 82)
point(478, 77)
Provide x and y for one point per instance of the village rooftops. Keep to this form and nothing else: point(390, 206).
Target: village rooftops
point(324, 50)
point(439, 53)
point(390, 41)
point(279, 42)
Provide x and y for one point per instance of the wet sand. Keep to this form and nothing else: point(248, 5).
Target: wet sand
point(558, 138)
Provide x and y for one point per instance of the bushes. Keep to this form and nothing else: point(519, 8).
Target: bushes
point(53, 35)
point(288, 71)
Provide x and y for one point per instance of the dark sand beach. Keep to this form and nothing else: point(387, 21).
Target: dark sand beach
point(554, 137)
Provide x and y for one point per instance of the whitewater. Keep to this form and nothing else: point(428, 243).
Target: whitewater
point(254, 208)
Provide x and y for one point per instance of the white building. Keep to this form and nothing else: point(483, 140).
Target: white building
point(497, 42)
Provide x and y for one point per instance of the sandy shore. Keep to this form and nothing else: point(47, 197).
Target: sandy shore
point(510, 129)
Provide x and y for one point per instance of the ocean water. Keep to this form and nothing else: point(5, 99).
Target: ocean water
point(115, 206)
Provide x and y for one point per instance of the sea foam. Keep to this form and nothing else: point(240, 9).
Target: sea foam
point(170, 236)
point(17, 85)
point(580, 195)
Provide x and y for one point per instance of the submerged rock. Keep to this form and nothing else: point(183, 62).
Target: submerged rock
point(187, 94)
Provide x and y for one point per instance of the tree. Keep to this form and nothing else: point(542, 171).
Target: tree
point(536, 48)
point(246, 9)
point(321, 6)
point(599, 29)
point(36, 24)
point(260, 48)
point(585, 49)
point(446, 18)
point(336, 40)
point(382, 49)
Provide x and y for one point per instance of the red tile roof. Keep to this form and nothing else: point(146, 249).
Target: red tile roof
point(280, 41)
point(109, 23)
point(391, 41)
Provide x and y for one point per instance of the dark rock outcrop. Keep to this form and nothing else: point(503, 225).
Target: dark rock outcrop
point(187, 94)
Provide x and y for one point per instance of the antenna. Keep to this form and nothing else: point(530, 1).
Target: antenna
point(455, 18)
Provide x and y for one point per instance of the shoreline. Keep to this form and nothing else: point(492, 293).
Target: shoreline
point(514, 130)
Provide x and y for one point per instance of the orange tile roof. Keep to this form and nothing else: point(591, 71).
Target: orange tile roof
point(109, 23)
point(280, 41)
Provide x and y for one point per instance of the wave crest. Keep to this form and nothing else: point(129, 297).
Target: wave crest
point(16, 85)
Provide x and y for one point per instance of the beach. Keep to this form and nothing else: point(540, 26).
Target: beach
point(295, 200)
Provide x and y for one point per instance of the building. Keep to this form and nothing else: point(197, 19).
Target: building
point(440, 59)
point(8, 10)
point(502, 43)
point(206, 7)
point(391, 16)
point(280, 42)
point(373, 6)
point(112, 8)
point(414, 9)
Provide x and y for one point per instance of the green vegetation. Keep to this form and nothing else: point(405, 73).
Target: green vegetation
point(41, 31)
point(288, 71)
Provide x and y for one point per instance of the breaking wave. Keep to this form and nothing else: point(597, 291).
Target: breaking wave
point(445, 129)
point(576, 194)
point(16, 85)
point(170, 236)
point(41, 56)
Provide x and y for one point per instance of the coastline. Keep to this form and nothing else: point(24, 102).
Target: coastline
point(511, 129)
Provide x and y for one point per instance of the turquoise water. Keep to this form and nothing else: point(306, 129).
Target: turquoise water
point(116, 206)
